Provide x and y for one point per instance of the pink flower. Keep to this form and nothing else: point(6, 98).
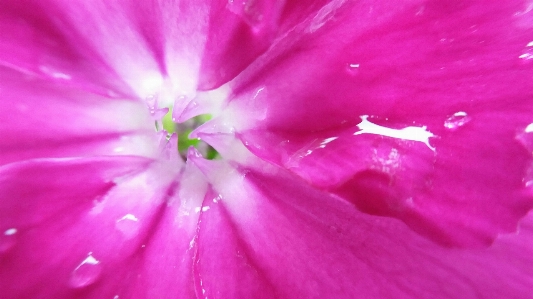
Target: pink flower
point(369, 149)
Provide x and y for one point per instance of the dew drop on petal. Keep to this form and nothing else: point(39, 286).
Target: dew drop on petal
point(180, 105)
point(325, 14)
point(128, 225)
point(352, 69)
point(8, 240)
point(457, 120)
point(527, 54)
point(86, 273)
point(158, 114)
point(52, 73)
point(253, 12)
point(189, 111)
point(526, 138)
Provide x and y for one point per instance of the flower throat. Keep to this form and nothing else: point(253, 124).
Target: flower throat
point(182, 130)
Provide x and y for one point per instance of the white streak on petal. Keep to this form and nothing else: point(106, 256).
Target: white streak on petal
point(420, 134)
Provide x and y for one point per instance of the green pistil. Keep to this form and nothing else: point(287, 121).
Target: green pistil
point(184, 129)
point(168, 124)
point(211, 153)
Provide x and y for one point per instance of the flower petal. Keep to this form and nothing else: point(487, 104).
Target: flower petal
point(37, 42)
point(167, 260)
point(270, 235)
point(134, 46)
point(75, 228)
point(435, 138)
point(45, 119)
point(222, 253)
point(240, 31)
point(164, 48)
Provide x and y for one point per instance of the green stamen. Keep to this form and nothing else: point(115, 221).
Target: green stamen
point(184, 129)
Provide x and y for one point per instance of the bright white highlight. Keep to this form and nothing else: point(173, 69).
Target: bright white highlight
point(420, 134)
point(129, 217)
point(10, 232)
point(529, 128)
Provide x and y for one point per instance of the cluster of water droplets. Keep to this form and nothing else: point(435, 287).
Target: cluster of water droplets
point(156, 112)
point(527, 53)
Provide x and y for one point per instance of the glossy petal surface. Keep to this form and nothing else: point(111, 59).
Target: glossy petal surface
point(167, 260)
point(397, 135)
point(49, 120)
point(271, 236)
point(87, 221)
point(35, 42)
point(416, 111)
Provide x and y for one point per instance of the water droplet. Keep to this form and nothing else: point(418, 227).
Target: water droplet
point(529, 128)
point(457, 120)
point(181, 104)
point(128, 225)
point(87, 272)
point(8, 240)
point(253, 12)
point(352, 68)
point(158, 114)
point(526, 138)
point(50, 72)
point(203, 209)
point(527, 55)
point(325, 14)
point(191, 110)
point(318, 144)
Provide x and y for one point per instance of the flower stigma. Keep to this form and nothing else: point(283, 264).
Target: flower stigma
point(168, 127)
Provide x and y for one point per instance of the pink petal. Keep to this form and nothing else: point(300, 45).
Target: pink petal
point(453, 67)
point(163, 48)
point(223, 267)
point(77, 228)
point(271, 236)
point(45, 119)
point(167, 262)
point(142, 48)
point(453, 74)
point(238, 32)
point(133, 45)
point(36, 41)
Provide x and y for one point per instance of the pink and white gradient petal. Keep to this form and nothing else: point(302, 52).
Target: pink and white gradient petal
point(77, 228)
point(271, 236)
point(44, 119)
